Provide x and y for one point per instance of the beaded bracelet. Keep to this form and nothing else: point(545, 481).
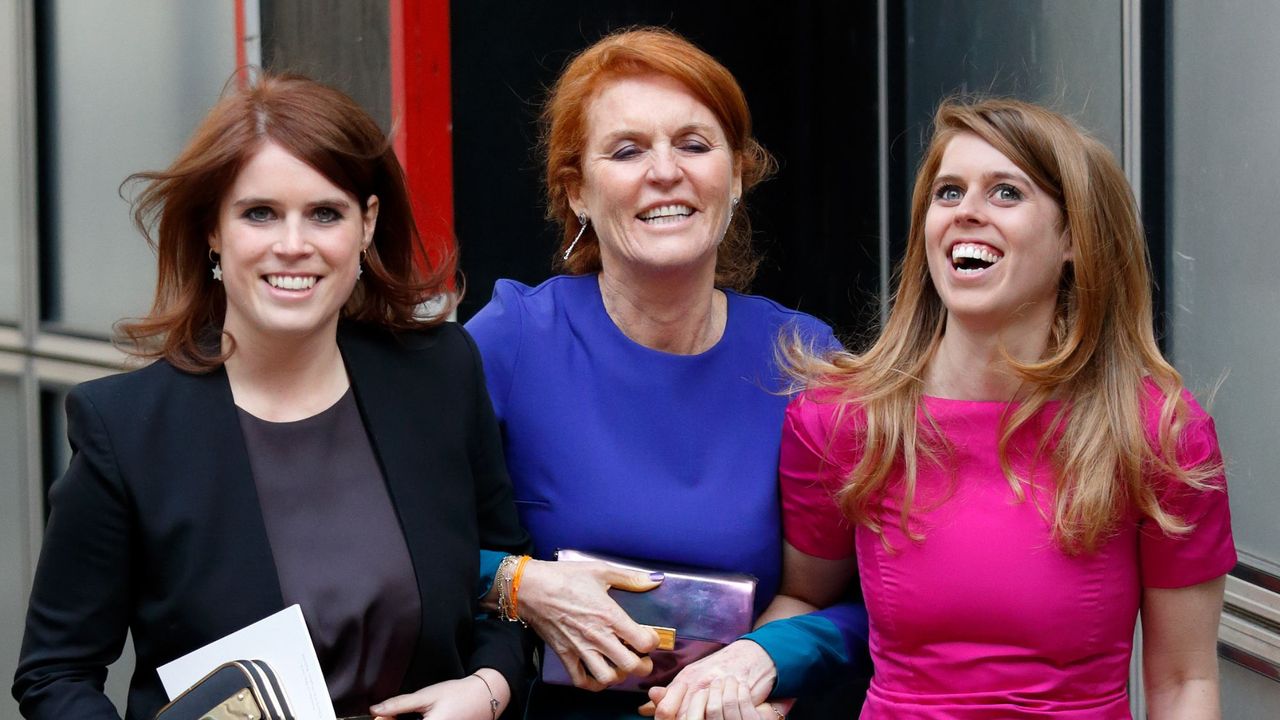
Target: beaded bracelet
point(779, 713)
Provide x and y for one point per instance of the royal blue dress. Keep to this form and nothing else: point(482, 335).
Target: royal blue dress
point(617, 448)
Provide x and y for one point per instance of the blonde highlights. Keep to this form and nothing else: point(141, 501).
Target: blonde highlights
point(1101, 354)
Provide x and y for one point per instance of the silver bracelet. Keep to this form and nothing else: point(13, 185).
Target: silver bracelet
point(493, 700)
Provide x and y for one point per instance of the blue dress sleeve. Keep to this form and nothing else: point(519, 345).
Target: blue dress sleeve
point(809, 651)
point(489, 561)
point(497, 329)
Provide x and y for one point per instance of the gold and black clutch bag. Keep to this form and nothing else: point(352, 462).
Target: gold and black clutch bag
point(238, 690)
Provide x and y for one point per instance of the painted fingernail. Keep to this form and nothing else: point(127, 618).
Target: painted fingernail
point(657, 576)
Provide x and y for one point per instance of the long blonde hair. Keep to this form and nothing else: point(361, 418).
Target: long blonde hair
point(1101, 351)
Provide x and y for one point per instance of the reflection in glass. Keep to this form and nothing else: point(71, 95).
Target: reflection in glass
point(10, 181)
point(1066, 54)
point(14, 528)
point(125, 83)
point(1222, 227)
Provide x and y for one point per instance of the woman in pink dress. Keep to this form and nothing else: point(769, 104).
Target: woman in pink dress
point(1013, 469)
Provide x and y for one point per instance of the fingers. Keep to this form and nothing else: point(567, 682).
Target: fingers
point(624, 659)
point(644, 640)
point(747, 706)
point(413, 702)
point(578, 672)
point(649, 709)
point(631, 580)
point(715, 700)
point(669, 704)
point(695, 705)
point(725, 699)
point(600, 669)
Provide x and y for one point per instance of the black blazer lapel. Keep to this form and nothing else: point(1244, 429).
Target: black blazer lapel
point(222, 485)
point(416, 408)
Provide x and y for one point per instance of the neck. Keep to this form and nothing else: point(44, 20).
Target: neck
point(676, 313)
point(282, 379)
point(970, 362)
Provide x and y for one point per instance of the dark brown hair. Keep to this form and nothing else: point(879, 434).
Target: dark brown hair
point(178, 208)
point(633, 52)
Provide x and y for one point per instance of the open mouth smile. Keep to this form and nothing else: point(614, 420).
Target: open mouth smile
point(971, 258)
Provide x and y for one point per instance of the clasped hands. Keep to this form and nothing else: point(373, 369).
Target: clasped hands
point(568, 605)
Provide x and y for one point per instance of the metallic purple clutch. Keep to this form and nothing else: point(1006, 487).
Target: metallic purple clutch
point(695, 612)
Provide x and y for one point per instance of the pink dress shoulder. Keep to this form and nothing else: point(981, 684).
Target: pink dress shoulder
point(987, 618)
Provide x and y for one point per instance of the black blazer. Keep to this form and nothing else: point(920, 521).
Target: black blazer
point(156, 526)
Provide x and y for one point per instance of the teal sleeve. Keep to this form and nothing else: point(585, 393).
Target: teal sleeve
point(489, 561)
point(810, 650)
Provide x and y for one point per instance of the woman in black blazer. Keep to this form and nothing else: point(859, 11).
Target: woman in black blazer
point(231, 477)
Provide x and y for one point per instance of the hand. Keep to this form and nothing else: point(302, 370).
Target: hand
point(568, 605)
point(724, 699)
point(462, 699)
point(744, 661)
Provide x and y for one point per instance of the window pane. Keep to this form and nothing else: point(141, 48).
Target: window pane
point(10, 147)
point(1066, 54)
point(14, 564)
point(1223, 168)
point(125, 82)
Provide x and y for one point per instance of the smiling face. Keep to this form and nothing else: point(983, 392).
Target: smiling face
point(658, 176)
point(994, 239)
point(290, 242)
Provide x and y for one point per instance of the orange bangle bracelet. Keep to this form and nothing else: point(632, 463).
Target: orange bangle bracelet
point(515, 586)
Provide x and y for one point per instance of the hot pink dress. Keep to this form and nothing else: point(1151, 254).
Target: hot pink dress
point(987, 618)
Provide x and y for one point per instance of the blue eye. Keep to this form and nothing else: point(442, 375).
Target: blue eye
point(326, 215)
point(949, 193)
point(694, 146)
point(1008, 193)
point(259, 214)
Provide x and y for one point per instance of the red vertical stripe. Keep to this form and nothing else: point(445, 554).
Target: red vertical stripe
point(242, 53)
point(423, 114)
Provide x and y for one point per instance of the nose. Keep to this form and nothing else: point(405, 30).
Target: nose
point(293, 241)
point(971, 210)
point(664, 167)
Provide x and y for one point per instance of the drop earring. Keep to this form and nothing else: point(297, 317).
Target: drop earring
point(217, 265)
point(584, 221)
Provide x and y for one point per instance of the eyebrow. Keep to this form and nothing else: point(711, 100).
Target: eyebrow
point(252, 201)
point(990, 176)
point(628, 132)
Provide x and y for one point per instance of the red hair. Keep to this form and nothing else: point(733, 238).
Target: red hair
point(327, 130)
point(628, 53)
